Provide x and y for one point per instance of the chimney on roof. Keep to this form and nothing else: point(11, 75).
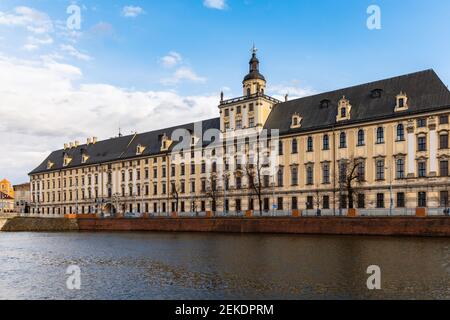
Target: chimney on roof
point(66, 146)
point(88, 141)
point(70, 145)
point(76, 144)
point(94, 140)
point(286, 97)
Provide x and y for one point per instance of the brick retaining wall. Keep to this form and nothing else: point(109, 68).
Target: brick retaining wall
point(392, 226)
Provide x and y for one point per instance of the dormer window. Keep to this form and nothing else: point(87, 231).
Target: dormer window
point(140, 150)
point(50, 165)
point(67, 160)
point(84, 158)
point(165, 143)
point(324, 103)
point(296, 121)
point(402, 102)
point(376, 93)
point(344, 110)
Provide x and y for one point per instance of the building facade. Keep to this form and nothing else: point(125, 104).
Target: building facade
point(6, 197)
point(379, 147)
point(22, 200)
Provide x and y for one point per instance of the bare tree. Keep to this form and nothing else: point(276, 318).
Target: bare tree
point(351, 174)
point(175, 190)
point(255, 169)
point(213, 192)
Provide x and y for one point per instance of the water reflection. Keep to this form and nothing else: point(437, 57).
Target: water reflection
point(221, 266)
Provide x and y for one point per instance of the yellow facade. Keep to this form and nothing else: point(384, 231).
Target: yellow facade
point(403, 162)
point(7, 188)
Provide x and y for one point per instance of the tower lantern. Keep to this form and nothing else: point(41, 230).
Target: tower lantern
point(254, 82)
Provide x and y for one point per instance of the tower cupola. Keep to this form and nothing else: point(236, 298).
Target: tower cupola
point(254, 82)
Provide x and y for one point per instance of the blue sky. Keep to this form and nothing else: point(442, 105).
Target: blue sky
point(320, 44)
point(144, 65)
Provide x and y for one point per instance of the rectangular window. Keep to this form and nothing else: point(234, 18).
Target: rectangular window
point(343, 201)
point(361, 171)
point(443, 199)
point(400, 168)
point(294, 146)
point(326, 202)
point(422, 169)
point(443, 119)
point(422, 144)
point(238, 205)
point(443, 141)
point(400, 200)
point(422, 123)
point(251, 122)
point(280, 204)
point(294, 176)
point(280, 148)
point(326, 173)
point(361, 201)
point(342, 171)
point(266, 204)
point(294, 203)
point(309, 175)
point(380, 200)
point(422, 199)
point(380, 169)
point(443, 168)
point(309, 202)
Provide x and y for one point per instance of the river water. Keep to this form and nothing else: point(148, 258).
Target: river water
point(221, 266)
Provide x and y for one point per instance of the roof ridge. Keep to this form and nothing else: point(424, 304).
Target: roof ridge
point(368, 83)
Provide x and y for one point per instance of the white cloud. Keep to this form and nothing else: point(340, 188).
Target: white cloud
point(75, 53)
point(183, 74)
point(293, 90)
point(132, 11)
point(30, 47)
point(215, 4)
point(43, 107)
point(171, 59)
point(33, 20)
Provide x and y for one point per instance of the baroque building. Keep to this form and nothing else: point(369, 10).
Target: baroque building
point(6, 197)
point(381, 147)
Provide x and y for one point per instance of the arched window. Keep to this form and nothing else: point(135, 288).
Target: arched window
point(343, 112)
point(280, 177)
point(400, 132)
point(248, 92)
point(361, 138)
point(326, 142)
point(310, 144)
point(343, 140)
point(380, 135)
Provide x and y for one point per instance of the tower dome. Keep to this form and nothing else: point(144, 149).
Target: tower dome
point(254, 82)
point(254, 73)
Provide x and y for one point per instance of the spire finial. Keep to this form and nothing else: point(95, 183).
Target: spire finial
point(254, 49)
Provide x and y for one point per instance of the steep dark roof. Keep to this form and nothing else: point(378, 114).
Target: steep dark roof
point(425, 91)
point(119, 148)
